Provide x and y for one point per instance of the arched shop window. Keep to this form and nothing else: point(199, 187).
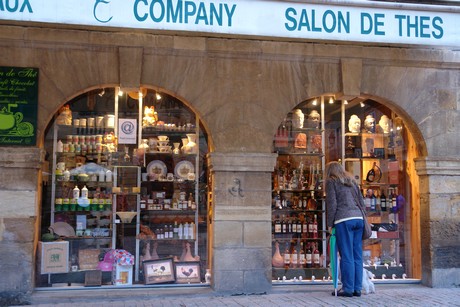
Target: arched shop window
point(126, 200)
point(371, 141)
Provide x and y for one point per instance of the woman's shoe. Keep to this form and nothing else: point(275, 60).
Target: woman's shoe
point(357, 293)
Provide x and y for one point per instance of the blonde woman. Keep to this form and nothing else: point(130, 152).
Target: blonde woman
point(342, 200)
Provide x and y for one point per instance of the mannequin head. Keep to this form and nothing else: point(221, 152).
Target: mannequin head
point(314, 119)
point(384, 124)
point(354, 124)
point(297, 118)
point(369, 124)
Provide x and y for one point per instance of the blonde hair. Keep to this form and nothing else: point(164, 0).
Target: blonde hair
point(335, 171)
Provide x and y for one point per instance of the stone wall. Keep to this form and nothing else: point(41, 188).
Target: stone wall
point(242, 89)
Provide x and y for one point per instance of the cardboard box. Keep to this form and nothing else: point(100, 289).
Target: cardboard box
point(88, 259)
point(393, 172)
point(54, 257)
point(122, 275)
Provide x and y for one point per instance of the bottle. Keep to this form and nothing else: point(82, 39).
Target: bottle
point(283, 225)
point(176, 230)
point(294, 256)
point(76, 192)
point(166, 231)
point(181, 231)
point(393, 207)
point(277, 202)
point(304, 227)
point(191, 231)
point(315, 228)
point(289, 225)
point(316, 263)
point(299, 227)
point(310, 228)
point(189, 202)
point(373, 201)
point(301, 256)
point(84, 192)
point(287, 257)
point(311, 204)
point(367, 200)
point(309, 257)
point(378, 203)
point(277, 225)
point(186, 231)
point(59, 146)
point(383, 201)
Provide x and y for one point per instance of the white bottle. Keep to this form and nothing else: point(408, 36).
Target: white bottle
point(108, 176)
point(60, 146)
point(76, 192)
point(191, 231)
point(84, 192)
point(66, 175)
point(101, 175)
point(186, 231)
point(181, 231)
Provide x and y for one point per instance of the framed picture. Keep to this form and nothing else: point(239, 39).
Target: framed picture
point(379, 152)
point(158, 271)
point(358, 152)
point(187, 272)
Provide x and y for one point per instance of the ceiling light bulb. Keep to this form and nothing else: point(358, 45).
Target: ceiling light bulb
point(362, 104)
point(101, 93)
point(120, 92)
point(157, 96)
point(345, 102)
point(314, 102)
point(331, 101)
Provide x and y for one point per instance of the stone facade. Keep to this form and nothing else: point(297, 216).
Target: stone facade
point(242, 89)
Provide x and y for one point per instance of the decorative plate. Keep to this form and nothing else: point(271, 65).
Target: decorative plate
point(183, 168)
point(157, 167)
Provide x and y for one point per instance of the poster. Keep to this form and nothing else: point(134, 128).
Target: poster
point(127, 129)
point(18, 106)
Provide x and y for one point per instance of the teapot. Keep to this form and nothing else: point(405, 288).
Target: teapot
point(9, 119)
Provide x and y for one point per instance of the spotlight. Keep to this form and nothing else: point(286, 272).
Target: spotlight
point(158, 96)
point(362, 104)
point(345, 102)
point(120, 92)
point(314, 102)
point(331, 100)
point(101, 93)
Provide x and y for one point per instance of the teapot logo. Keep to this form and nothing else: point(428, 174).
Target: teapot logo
point(11, 124)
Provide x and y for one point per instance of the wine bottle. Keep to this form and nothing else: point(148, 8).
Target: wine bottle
point(277, 225)
point(367, 201)
point(301, 256)
point(304, 227)
point(309, 257)
point(315, 228)
point(311, 204)
point(316, 263)
point(378, 204)
point(383, 201)
point(283, 225)
point(294, 256)
point(394, 207)
point(373, 200)
point(287, 257)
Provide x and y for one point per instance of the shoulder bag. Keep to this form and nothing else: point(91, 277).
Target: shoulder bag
point(367, 230)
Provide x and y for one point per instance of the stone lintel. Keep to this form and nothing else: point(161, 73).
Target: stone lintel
point(438, 166)
point(242, 162)
point(22, 157)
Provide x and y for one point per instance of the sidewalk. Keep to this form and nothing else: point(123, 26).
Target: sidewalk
point(304, 295)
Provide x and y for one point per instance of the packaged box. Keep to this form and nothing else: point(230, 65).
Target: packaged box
point(54, 257)
point(393, 172)
point(81, 222)
point(88, 259)
point(122, 275)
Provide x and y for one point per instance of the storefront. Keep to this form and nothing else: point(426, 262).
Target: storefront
point(251, 186)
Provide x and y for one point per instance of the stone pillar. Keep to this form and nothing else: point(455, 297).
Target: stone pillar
point(19, 167)
point(440, 220)
point(240, 230)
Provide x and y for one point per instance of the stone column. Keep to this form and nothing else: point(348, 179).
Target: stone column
point(240, 230)
point(440, 220)
point(19, 168)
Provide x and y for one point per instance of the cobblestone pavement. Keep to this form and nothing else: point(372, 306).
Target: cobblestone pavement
point(320, 295)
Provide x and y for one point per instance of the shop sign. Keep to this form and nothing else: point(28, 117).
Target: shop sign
point(127, 131)
point(18, 106)
point(338, 21)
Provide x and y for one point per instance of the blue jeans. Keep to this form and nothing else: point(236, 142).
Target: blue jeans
point(349, 242)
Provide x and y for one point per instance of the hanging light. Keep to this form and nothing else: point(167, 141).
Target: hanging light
point(315, 102)
point(158, 96)
point(102, 93)
point(345, 102)
point(362, 104)
point(120, 92)
point(331, 100)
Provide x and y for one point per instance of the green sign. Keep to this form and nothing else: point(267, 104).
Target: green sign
point(18, 106)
